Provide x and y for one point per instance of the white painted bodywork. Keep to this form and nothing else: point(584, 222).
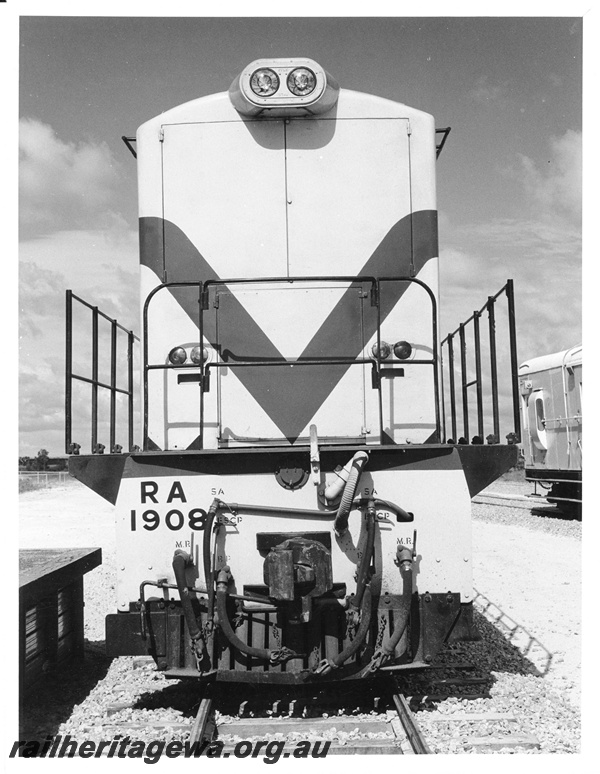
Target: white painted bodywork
point(288, 197)
point(443, 546)
point(551, 397)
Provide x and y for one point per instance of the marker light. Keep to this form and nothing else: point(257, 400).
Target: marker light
point(264, 82)
point(177, 356)
point(301, 81)
point(402, 350)
point(198, 355)
point(383, 352)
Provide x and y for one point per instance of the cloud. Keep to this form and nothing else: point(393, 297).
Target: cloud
point(483, 92)
point(102, 271)
point(64, 184)
point(540, 251)
point(555, 188)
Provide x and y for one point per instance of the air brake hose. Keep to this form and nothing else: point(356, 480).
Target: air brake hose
point(207, 558)
point(361, 633)
point(406, 568)
point(359, 461)
point(181, 560)
point(277, 656)
point(386, 652)
point(361, 600)
point(326, 665)
point(365, 561)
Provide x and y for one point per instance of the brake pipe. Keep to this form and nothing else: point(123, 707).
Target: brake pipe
point(181, 559)
point(327, 665)
point(405, 558)
point(277, 656)
point(357, 464)
point(207, 558)
point(362, 572)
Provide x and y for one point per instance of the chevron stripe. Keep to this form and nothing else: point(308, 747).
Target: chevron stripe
point(169, 253)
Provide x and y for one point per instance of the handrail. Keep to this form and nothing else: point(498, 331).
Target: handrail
point(205, 368)
point(477, 382)
point(94, 381)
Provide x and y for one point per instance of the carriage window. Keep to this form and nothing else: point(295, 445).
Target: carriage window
point(539, 414)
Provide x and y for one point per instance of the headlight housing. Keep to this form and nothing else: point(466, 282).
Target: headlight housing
point(402, 350)
point(301, 81)
point(199, 355)
point(177, 356)
point(264, 82)
point(382, 352)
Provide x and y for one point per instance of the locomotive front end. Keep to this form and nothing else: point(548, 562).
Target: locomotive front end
point(293, 515)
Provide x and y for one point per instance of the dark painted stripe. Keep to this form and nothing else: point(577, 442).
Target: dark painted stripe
point(300, 391)
point(244, 461)
point(482, 465)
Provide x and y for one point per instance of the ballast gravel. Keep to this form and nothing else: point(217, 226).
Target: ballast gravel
point(512, 655)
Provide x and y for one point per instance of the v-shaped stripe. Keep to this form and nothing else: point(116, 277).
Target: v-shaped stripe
point(290, 399)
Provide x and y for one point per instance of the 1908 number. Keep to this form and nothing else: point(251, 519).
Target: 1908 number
point(173, 519)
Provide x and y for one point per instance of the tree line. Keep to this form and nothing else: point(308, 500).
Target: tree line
point(42, 461)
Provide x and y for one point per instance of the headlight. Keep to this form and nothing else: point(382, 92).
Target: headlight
point(383, 352)
point(264, 82)
point(199, 355)
point(177, 356)
point(402, 350)
point(301, 81)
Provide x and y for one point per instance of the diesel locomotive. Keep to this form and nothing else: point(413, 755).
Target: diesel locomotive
point(293, 512)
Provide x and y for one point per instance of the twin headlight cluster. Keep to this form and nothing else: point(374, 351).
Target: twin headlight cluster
point(265, 82)
point(401, 349)
point(179, 355)
point(283, 87)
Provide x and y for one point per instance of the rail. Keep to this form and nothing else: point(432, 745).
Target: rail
point(94, 381)
point(478, 382)
point(205, 368)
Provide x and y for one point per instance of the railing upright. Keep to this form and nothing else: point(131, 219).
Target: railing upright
point(493, 366)
point(94, 380)
point(489, 307)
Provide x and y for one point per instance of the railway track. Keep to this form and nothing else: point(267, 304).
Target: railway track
point(512, 500)
point(392, 723)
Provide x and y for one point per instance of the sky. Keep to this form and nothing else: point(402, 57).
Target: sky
point(509, 177)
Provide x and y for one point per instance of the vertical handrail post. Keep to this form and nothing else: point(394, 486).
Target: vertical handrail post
point(203, 370)
point(514, 363)
point(94, 378)
point(463, 379)
point(478, 384)
point(69, 371)
point(113, 384)
point(493, 366)
point(452, 390)
point(145, 375)
point(436, 366)
point(130, 341)
point(378, 358)
point(443, 394)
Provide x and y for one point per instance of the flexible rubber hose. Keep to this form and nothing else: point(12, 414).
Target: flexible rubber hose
point(389, 646)
point(207, 558)
point(180, 560)
point(365, 561)
point(363, 628)
point(340, 524)
point(227, 629)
